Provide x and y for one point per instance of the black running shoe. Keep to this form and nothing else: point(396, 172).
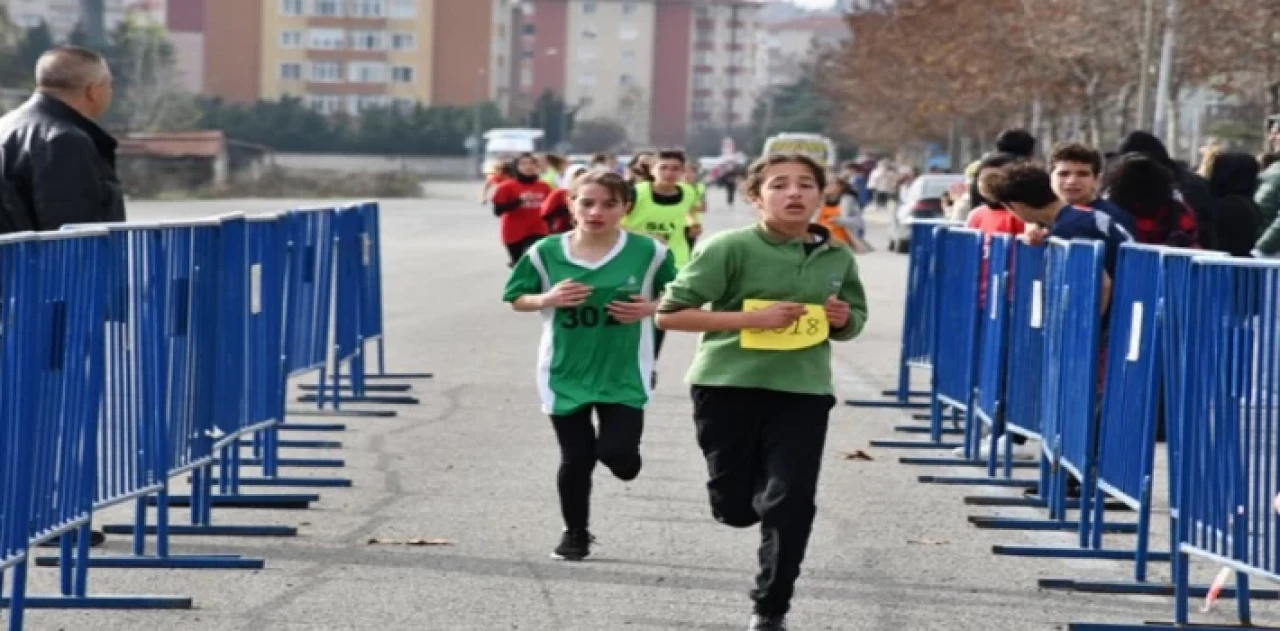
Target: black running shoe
point(761, 622)
point(575, 545)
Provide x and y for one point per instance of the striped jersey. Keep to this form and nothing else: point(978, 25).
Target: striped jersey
point(585, 355)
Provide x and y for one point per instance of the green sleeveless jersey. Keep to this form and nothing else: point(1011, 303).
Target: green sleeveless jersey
point(586, 356)
point(664, 222)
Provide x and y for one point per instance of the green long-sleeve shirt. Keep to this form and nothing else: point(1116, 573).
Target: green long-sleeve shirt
point(753, 263)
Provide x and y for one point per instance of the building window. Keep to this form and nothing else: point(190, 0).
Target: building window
point(324, 103)
point(626, 79)
point(403, 41)
point(526, 77)
point(291, 72)
point(702, 58)
point(368, 40)
point(290, 39)
point(327, 8)
point(528, 28)
point(628, 32)
point(526, 54)
point(628, 7)
point(290, 7)
point(586, 54)
point(702, 11)
point(327, 39)
point(703, 81)
point(367, 72)
point(628, 57)
point(588, 33)
point(588, 8)
point(586, 80)
point(326, 71)
point(373, 101)
point(371, 9)
point(402, 74)
point(404, 8)
point(406, 105)
point(700, 106)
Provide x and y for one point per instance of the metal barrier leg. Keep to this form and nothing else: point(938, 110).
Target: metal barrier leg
point(74, 595)
point(376, 399)
point(307, 427)
point(373, 387)
point(312, 412)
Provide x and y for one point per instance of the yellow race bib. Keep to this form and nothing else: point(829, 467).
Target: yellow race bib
point(810, 330)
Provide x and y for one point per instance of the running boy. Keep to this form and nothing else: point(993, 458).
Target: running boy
point(778, 291)
point(596, 287)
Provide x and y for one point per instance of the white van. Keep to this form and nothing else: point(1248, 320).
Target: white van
point(504, 144)
point(815, 146)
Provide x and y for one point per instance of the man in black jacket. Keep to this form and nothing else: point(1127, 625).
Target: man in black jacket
point(1193, 188)
point(57, 166)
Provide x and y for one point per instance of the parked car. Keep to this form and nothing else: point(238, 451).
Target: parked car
point(923, 200)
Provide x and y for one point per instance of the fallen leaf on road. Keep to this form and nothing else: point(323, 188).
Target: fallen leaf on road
point(925, 541)
point(416, 541)
point(856, 455)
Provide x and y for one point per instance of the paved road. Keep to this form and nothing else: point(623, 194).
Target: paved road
point(475, 464)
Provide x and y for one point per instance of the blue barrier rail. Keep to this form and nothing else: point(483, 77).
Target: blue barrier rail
point(918, 316)
point(133, 353)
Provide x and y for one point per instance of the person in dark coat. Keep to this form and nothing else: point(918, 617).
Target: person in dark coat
point(1233, 182)
point(57, 165)
point(1192, 188)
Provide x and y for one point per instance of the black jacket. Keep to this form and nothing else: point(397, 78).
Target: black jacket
point(57, 167)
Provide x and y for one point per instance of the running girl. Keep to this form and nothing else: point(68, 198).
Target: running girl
point(518, 203)
point(778, 291)
point(596, 288)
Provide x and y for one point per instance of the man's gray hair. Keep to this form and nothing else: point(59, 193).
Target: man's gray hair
point(70, 68)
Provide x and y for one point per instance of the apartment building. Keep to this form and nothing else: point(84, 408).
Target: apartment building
point(662, 68)
point(783, 47)
point(337, 55)
point(347, 55)
point(724, 41)
point(62, 16)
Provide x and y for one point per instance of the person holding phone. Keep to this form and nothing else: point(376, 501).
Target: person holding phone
point(779, 291)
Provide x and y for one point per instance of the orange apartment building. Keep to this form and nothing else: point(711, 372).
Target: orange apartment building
point(345, 55)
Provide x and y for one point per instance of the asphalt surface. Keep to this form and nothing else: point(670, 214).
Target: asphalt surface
point(474, 465)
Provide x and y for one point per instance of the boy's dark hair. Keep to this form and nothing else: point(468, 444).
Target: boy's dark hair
point(1076, 152)
point(1021, 183)
point(755, 173)
point(673, 154)
point(1017, 141)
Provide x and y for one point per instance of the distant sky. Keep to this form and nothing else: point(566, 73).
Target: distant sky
point(814, 4)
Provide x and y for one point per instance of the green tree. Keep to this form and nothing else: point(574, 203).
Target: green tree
point(12, 72)
point(147, 93)
point(35, 41)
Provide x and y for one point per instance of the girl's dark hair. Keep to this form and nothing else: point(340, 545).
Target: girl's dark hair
point(618, 188)
point(1137, 182)
point(755, 173)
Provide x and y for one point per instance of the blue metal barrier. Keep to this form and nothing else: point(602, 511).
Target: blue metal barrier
point(1069, 387)
point(308, 256)
point(352, 253)
point(196, 269)
point(58, 370)
point(371, 326)
point(918, 317)
point(1228, 467)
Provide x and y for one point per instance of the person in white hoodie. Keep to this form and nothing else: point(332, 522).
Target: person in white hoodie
point(884, 182)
